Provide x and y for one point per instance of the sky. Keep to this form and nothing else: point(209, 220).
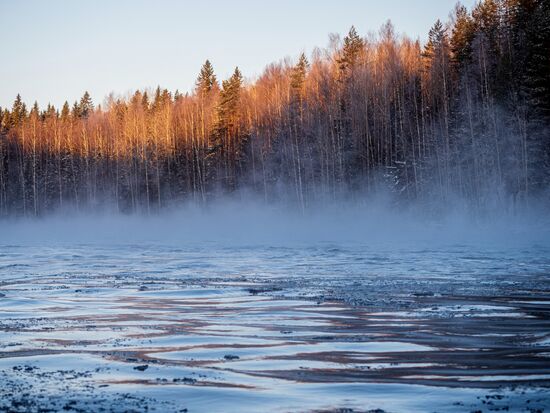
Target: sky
point(54, 50)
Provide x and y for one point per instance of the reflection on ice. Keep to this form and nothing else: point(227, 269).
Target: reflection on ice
point(290, 329)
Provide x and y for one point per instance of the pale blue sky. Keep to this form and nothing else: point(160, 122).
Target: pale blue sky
point(54, 50)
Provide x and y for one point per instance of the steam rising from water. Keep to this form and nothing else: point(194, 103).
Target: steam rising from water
point(372, 223)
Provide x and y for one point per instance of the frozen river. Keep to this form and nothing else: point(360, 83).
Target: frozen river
point(318, 328)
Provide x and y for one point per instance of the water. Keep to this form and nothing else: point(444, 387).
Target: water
point(313, 328)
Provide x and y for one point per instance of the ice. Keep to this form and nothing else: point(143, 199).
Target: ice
point(214, 327)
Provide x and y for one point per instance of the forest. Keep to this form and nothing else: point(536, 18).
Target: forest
point(464, 115)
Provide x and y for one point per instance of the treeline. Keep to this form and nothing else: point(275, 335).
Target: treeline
point(464, 115)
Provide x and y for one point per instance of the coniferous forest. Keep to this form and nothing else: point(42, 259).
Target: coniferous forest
point(463, 116)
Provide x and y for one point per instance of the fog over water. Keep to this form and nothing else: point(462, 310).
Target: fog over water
point(240, 304)
point(376, 223)
point(361, 228)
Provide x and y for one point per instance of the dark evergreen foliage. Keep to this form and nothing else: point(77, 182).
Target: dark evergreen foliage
point(467, 116)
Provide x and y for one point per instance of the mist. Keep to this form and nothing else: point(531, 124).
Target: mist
point(378, 222)
point(365, 227)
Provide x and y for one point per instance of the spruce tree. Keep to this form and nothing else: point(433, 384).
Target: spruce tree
point(75, 111)
point(229, 99)
point(86, 106)
point(352, 49)
point(35, 111)
point(50, 112)
point(157, 98)
point(18, 112)
point(487, 17)
point(436, 51)
point(206, 80)
point(537, 64)
point(226, 142)
point(297, 84)
point(298, 76)
point(65, 111)
point(145, 101)
point(462, 35)
point(436, 39)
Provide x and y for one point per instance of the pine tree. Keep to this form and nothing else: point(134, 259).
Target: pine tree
point(50, 112)
point(537, 65)
point(145, 101)
point(86, 107)
point(35, 111)
point(517, 13)
point(18, 112)
point(157, 98)
point(462, 35)
point(351, 51)
point(487, 17)
point(467, 115)
point(206, 81)
point(298, 75)
point(228, 105)
point(226, 143)
point(162, 98)
point(436, 56)
point(65, 111)
point(437, 41)
point(135, 100)
point(75, 111)
point(486, 14)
